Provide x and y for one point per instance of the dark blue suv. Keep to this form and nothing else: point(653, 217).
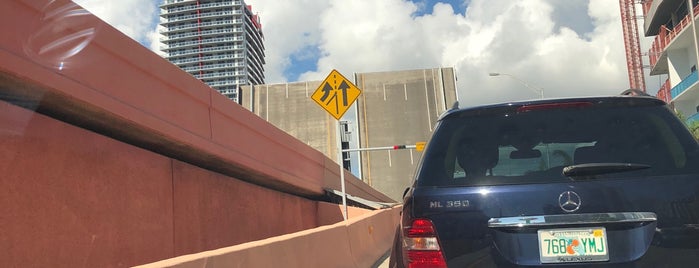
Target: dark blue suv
point(607, 181)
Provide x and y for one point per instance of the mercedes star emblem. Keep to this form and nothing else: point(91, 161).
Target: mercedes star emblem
point(569, 201)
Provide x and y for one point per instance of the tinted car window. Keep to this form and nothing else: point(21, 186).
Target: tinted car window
point(512, 145)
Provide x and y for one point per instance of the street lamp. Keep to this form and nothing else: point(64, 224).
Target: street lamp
point(538, 90)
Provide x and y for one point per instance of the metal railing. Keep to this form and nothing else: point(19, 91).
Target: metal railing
point(197, 25)
point(207, 58)
point(665, 36)
point(221, 74)
point(203, 41)
point(226, 82)
point(212, 66)
point(693, 118)
point(207, 49)
point(176, 1)
point(688, 81)
point(193, 34)
point(664, 92)
point(646, 6)
point(201, 6)
point(202, 15)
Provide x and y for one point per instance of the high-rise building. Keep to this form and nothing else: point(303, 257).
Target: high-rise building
point(219, 42)
point(674, 52)
point(394, 108)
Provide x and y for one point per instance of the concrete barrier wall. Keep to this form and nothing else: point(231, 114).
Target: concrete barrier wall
point(73, 198)
point(211, 211)
point(130, 160)
point(358, 242)
point(110, 84)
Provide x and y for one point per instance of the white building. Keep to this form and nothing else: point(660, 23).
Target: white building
point(217, 41)
point(674, 51)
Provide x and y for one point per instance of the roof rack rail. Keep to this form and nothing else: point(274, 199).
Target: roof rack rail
point(634, 92)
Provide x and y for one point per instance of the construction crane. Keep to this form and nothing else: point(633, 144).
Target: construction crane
point(634, 63)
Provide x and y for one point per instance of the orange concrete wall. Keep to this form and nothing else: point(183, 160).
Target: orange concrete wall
point(213, 211)
point(129, 159)
point(358, 242)
point(111, 84)
point(73, 198)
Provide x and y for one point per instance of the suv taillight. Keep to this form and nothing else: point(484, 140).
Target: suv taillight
point(421, 246)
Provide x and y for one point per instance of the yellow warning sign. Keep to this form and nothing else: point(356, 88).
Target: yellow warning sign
point(336, 94)
point(420, 146)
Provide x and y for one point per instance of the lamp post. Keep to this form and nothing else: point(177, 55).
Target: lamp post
point(538, 90)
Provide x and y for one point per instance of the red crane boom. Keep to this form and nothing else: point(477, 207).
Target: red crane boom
point(634, 63)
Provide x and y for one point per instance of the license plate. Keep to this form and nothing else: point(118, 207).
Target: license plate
point(573, 245)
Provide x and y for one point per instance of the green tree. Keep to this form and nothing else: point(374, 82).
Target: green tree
point(693, 125)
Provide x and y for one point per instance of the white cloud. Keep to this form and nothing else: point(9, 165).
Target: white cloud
point(516, 37)
point(361, 36)
point(153, 41)
point(525, 38)
point(135, 18)
point(288, 27)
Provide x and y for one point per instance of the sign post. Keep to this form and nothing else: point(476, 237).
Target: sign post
point(335, 95)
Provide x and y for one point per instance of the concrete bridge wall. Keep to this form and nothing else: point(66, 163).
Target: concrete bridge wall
point(358, 242)
point(74, 198)
point(111, 156)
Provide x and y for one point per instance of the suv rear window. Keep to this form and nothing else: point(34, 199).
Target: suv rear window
point(532, 144)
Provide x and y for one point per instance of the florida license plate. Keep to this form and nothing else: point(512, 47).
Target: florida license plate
point(573, 245)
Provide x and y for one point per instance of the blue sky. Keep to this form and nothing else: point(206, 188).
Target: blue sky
point(302, 61)
point(426, 6)
point(569, 48)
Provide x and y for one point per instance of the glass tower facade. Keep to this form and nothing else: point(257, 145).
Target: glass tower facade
point(220, 42)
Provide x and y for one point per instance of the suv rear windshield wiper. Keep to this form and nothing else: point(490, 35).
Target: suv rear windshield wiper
point(591, 169)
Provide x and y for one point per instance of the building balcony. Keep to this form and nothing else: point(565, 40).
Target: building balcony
point(219, 75)
point(176, 2)
point(212, 67)
point(686, 83)
point(657, 54)
point(188, 26)
point(693, 118)
point(664, 92)
point(646, 6)
point(173, 54)
point(211, 15)
point(181, 18)
point(173, 37)
point(226, 82)
point(658, 12)
point(206, 41)
point(207, 58)
point(165, 10)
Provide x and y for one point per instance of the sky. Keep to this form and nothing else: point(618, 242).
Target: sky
point(566, 48)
